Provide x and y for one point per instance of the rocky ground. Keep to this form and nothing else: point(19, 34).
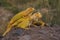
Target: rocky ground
point(35, 33)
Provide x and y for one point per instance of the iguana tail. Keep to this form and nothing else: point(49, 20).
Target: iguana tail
point(8, 29)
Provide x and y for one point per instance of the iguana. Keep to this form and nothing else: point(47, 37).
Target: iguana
point(19, 16)
point(24, 20)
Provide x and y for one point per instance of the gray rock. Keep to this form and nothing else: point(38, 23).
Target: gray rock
point(25, 37)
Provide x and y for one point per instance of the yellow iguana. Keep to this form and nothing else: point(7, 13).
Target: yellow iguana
point(17, 18)
point(24, 20)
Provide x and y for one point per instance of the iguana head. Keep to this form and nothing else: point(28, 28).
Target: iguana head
point(36, 15)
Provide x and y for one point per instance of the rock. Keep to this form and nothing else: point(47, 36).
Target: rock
point(25, 37)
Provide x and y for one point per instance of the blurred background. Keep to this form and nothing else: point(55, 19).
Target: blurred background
point(50, 9)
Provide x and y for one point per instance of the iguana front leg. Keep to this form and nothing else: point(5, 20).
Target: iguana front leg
point(39, 23)
point(42, 23)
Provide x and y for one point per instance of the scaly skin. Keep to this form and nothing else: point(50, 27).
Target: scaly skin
point(24, 21)
point(18, 17)
point(21, 14)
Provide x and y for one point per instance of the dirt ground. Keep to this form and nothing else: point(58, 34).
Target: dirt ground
point(35, 33)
